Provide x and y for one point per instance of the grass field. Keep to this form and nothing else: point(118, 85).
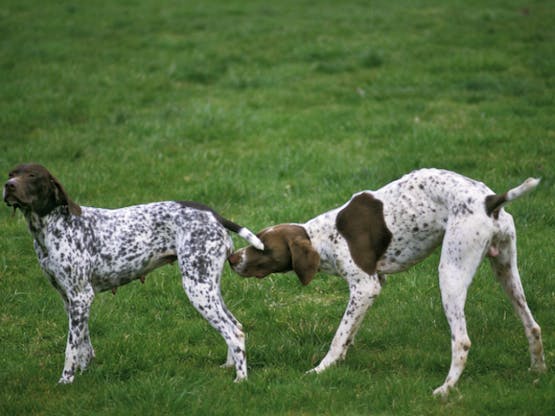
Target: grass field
point(275, 113)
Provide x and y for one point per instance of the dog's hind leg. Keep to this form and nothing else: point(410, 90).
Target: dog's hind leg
point(505, 267)
point(461, 255)
point(201, 281)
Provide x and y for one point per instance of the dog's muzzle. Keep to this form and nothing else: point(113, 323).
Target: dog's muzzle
point(234, 260)
point(8, 194)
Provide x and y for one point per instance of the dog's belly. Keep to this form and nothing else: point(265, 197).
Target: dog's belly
point(410, 245)
point(399, 258)
point(111, 274)
point(417, 223)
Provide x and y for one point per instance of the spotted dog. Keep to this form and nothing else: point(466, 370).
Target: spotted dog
point(87, 250)
point(387, 231)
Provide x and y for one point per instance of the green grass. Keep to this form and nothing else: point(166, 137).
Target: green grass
point(272, 113)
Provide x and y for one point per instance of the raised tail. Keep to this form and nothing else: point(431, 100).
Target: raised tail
point(251, 238)
point(495, 202)
point(242, 232)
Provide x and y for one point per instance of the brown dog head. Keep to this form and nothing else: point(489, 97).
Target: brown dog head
point(32, 188)
point(286, 247)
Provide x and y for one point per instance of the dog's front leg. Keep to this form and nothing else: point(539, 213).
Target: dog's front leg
point(363, 290)
point(79, 350)
point(86, 352)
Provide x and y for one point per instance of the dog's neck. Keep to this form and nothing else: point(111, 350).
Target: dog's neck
point(37, 223)
point(323, 235)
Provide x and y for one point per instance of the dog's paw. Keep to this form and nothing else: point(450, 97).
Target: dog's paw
point(315, 370)
point(441, 391)
point(538, 367)
point(65, 380)
point(240, 378)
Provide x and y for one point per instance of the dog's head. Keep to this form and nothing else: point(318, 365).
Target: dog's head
point(286, 247)
point(31, 188)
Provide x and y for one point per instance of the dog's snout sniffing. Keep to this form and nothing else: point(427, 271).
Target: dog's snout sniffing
point(234, 259)
point(237, 262)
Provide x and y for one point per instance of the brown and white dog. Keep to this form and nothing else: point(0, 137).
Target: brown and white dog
point(387, 231)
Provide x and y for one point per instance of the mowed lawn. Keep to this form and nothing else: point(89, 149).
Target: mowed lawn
point(276, 112)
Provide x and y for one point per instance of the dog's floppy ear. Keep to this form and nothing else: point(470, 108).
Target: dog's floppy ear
point(63, 199)
point(305, 260)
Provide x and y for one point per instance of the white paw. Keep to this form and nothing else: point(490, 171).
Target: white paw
point(316, 370)
point(442, 391)
point(240, 378)
point(65, 380)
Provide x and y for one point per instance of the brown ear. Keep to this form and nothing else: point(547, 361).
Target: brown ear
point(63, 199)
point(304, 259)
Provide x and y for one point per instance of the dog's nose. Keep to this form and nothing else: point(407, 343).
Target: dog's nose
point(10, 185)
point(234, 259)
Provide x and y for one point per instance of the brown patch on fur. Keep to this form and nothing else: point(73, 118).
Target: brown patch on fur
point(362, 224)
point(493, 204)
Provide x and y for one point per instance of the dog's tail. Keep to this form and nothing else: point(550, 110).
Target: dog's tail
point(230, 225)
point(242, 232)
point(495, 202)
